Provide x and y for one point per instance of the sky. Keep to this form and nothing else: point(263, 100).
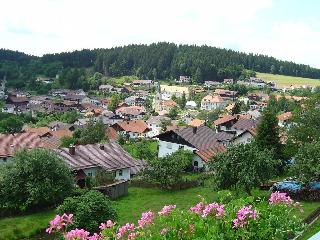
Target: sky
point(285, 29)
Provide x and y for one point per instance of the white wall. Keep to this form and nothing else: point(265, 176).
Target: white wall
point(245, 138)
point(166, 148)
point(125, 174)
point(91, 172)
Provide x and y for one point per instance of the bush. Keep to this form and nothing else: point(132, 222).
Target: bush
point(34, 180)
point(89, 209)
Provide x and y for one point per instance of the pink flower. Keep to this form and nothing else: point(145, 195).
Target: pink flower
point(77, 234)
point(59, 222)
point(191, 227)
point(243, 216)
point(164, 231)
point(280, 198)
point(146, 218)
point(218, 210)
point(132, 236)
point(95, 236)
point(122, 231)
point(198, 208)
point(165, 211)
point(108, 224)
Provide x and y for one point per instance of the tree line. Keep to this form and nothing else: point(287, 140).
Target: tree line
point(155, 61)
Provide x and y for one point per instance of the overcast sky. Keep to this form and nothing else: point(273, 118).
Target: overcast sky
point(286, 29)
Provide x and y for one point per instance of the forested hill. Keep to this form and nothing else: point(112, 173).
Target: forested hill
point(155, 61)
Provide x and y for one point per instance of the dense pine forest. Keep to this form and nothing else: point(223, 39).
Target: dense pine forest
point(155, 61)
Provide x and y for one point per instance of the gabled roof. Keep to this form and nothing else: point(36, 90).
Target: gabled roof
point(245, 124)
point(10, 143)
point(110, 157)
point(224, 119)
point(207, 154)
point(212, 99)
point(40, 131)
point(223, 136)
point(284, 116)
point(196, 122)
point(136, 126)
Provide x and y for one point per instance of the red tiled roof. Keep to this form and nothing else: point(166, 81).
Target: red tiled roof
point(285, 116)
point(224, 119)
point(61, 133)
point(196, 122)
point(168, 103)
point(111, 133)
point(137, 126)
point(10, 143)
point(40, 130)
point(213, 98)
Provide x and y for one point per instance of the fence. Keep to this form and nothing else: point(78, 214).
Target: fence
point(114, 190)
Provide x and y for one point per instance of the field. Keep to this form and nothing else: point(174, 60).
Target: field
point(129, 210)
point(282, 80)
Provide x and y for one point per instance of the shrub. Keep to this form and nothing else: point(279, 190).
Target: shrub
point(89, 210)
point(243, 218)
point(34, 180)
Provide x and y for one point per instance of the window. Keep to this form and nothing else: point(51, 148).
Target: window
point(195, 164)
point(89, 174)
point(120, 172)
point(180, 146)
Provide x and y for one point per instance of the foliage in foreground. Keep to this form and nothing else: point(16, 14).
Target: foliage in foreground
point(246, 218)
point(243, 166)
point(88, 209)
point(34, 180)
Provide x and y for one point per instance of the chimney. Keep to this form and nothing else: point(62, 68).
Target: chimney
point(101, 146)
point(72, 149)
point(194, 130)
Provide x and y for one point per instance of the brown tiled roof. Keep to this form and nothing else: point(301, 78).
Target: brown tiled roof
point(207, 154)
point(213, 98)
point(253, 131)
point(61, 133)
point(245, 124)
point(202, 138)
point(285, 116)
point(10, 143)
point(137, 126)
point(110, 157)
point(111, 133)
point(224, 119)
point(132, 110)
point(41, 131)
point(168, 103)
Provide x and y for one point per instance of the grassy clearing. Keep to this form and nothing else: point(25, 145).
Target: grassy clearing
point(24, 226)
point(130, 208)
point(282, 80)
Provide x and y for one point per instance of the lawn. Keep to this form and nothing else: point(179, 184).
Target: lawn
point(130, 208)
point(282, 80)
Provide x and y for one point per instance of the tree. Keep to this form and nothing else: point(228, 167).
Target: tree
point(243, 167)
point(273, 69)
point(236, 108)
point(33, 180)
point(306, 165)
point(93, 133)
point(67, 141)
point(115, 100)
point(89, 210)
point(168, 171)
point(183, 101)
point(11, 124)
point(173, 113)
point(268, 133)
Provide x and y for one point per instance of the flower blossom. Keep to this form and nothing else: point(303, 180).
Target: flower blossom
point(198, 208)
point(243, 216)
point(218, 209)
point(59, 222)
point(122, 231)
point(280, 198)
point(146, 218)
point(77, 234)
point(108, 224)
point(164, 231)
point(165, 211)
point(95, 236)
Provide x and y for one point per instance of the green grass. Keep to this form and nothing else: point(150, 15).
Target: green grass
point(24, 226)
point(130, 208)
point(311, 231)
point(282, 80)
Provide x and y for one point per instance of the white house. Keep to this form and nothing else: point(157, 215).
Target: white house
point(191, 105)
point(155, 125)
point(212, 102)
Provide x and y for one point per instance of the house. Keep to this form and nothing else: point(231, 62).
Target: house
point(256, 105)
point(106, 88)
point(225, 122)
point(8, 108)
point(135, 101)
point(284, 119)
point(244, 137)
point(164, 106)
point(212, 102)
point(210, 84)
point(17, 100)
point(226, 94)
point(134, 129)
point(10, 143)
point(132, 112)
point(242, 125)
point(199, 140)
point(224, 138)
point(196, 122)
point(168, 91)
point(92, 157)
point(140, 83)
point(229, 81)
point(184, 79)
point(191, 105)
point(155, 125)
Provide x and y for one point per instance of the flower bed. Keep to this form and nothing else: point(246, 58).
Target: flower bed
point(247, 218)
